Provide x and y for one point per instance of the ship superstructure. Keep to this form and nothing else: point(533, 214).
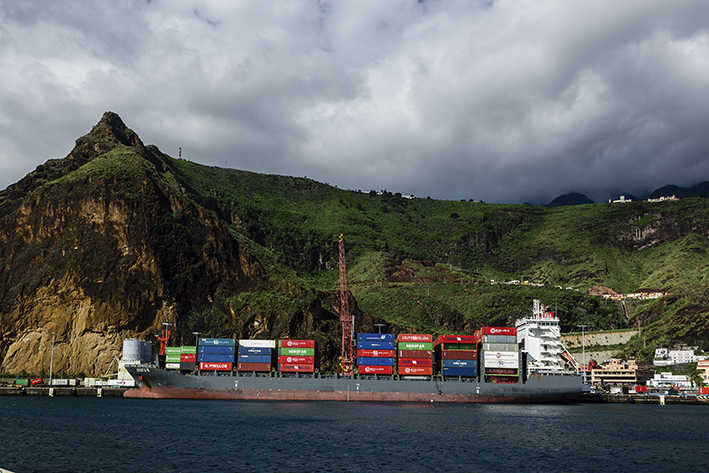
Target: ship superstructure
point(540, 337)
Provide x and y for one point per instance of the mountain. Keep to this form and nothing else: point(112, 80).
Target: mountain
point(118, 237)
point(572, 198)
point(699, 190)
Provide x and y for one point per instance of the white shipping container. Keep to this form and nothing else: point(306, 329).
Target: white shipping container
point(172, 366)
point(501, 359)
point(89, 382)
point(257, 343)
point(60, 382)
point(120, 382)
point(72, 382)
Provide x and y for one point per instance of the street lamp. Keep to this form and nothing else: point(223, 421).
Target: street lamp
point(196, 339)
point(51, 359)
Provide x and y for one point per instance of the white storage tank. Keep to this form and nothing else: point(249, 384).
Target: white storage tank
point(132, 350)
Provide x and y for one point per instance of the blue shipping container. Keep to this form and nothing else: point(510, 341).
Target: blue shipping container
point(459, 364)
point(221, 342)
point(254, 358)
point(389, 337)
point(210, 358)
point(216, 350)
point(254, 351)
point(364, 361)
point(460, 371)
point(379, 345)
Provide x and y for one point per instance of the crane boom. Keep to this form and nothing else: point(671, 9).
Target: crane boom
point(347, 320)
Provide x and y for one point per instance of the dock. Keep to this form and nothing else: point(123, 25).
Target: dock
point(78, 391)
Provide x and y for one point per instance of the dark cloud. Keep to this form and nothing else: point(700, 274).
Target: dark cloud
point(504, 101)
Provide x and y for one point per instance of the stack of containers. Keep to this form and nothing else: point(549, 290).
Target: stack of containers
point(458, 355)
point(216, 354)
point(376, 353)
point(296, 356)
point(188, 357)
point(415, 354)
point(255, 355)
point(172, 358)
point(500, 354)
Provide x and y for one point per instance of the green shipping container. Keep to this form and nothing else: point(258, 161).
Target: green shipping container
point(415, 346)
point(297, 351)
point(173, 350)
point(22, 381)
point(459, 346)
point(188, 350)
point(172, 358)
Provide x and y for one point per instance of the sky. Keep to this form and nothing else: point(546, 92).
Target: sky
point(504, 101)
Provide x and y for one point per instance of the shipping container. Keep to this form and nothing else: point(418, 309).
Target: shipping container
point(60, 382)
point(296, 360)
point(36, 381)
point(22, 382)
point(187, 366)
point(224, 342)
point(372, 345)
point(296, 368)
point(415, 354)
point(499, 339)
point(172, 366)
point(456, 339)
point(288, 343)
point(254, 350)
point(172, 358)
point(188, 350)
point(368, 369)
point(500, 347)
point(415, 362)
point(215, 358)
point(499, 331)
point(188, 358)
point(254, 358)
point(253, 366)
point(458, 363)
point(502, 371)
point(215, 366)
point(297, 351)
point(640, 389)
point(501, 359)
point(459, 346)
point(415, 346)
point(703, 391)
point(258, 343)
point(502, 379)
point(415, 370)
point(414, 337)
point(376, 353)
point(367, 361)
point(216, 350)
point(388, 337)
point(457, 371)
point(173, 350)
point(459, 355)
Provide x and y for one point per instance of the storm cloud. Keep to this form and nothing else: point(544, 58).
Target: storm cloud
point(505, 101)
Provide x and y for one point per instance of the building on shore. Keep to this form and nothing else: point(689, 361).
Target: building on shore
point(703, 367)
point(668, 380)
point(676, 356)
point(620, 372)
point(664, 198)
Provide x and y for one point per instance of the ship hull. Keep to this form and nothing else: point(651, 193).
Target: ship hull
point(161, 384)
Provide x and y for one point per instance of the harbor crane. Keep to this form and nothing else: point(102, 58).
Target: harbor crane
point(347, 319)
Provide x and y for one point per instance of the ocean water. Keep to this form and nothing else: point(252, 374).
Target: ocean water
point(95, 435)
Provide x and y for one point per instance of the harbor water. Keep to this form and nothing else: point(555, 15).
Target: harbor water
point(91, 435)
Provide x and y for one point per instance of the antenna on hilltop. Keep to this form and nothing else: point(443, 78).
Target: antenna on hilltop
point(179, 152)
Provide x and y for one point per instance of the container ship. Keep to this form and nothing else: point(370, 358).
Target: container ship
point(522, 364)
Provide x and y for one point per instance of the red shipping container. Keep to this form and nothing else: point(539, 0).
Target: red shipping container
point(501, 371)
point(297, 368)
point(499, 331)
point(253, 366)
point(302, 360)
point(415, 354)
point(376, 353)
point(703, 390)
point(456, 339)
point(459, 354)
point(36, 381)
point(640, 389)
point(415, 362)
point(368, 369)
point(416, 371)
point(187, 358)
point(414, 337)
point(215, 366)
point(287, 343)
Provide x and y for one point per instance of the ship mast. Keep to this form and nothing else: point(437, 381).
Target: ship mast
point(347, 320)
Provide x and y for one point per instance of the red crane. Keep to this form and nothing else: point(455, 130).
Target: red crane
point(164, 338)
point(347, 357)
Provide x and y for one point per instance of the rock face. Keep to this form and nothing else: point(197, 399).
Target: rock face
point(101, 255)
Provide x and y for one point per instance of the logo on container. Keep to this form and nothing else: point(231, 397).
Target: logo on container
point(289, 359)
